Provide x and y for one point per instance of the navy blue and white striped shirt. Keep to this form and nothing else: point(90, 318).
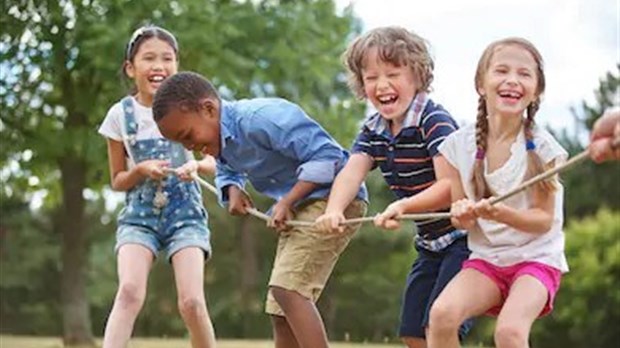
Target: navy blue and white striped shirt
point(406, 159)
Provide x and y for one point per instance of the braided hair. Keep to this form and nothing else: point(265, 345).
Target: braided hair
point(534, 163)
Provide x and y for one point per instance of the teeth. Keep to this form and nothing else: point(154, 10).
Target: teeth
point(157, 78)
point(387, 98)
point(510, 94)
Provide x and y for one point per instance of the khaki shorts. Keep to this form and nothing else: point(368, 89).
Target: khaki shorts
point(306, 257)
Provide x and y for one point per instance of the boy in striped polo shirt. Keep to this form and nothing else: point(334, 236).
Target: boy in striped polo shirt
point(392, 68)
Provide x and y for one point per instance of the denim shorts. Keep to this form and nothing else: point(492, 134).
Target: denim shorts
point(429, 274)
point(180, 224)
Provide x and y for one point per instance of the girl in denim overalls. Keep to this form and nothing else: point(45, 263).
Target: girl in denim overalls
point(164, 208)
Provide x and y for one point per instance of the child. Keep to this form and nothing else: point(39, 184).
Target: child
point(287, 156)
point(605, 130)
point(518, 246)
point(392, 68)
point(162, 212)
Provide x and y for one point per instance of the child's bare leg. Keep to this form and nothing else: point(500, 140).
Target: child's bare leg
point(283, 335)
point(188, 264)
point(134, 264)
point(468, 294)
point(414, 342)
point(303, 318)
point(526, 300)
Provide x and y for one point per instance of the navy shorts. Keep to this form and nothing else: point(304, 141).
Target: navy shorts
point(429, 274)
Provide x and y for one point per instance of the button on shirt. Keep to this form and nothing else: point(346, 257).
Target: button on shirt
point(274, 144)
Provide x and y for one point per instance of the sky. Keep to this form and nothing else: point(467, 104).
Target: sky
point(578, 39)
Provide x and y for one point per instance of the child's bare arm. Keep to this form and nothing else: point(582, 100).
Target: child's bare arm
point(123, 179)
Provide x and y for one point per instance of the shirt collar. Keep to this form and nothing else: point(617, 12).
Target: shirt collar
point(378, 124)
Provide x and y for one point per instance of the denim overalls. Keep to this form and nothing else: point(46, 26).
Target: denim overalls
point(179, 220)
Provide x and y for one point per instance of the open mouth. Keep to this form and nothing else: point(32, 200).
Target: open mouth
point(512, 96)
point(387, 99)
point(156, 78)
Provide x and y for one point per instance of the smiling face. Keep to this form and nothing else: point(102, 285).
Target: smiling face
point(196, 129)
point(389, 87)
point(154, 60)
point(511, 81)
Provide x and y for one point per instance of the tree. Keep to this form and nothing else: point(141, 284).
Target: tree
point(60, 60)
point(590, 186)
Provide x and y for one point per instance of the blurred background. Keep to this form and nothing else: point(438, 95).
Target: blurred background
point(60, 72)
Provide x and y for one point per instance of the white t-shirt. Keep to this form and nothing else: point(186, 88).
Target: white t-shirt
point(498, 243)
point(114, 122)
point(113, 125)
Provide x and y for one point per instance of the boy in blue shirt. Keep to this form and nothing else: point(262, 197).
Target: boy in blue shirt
point(285, 155)
point(392, 68)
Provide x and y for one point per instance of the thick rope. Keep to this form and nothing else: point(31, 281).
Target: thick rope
point(425, 216)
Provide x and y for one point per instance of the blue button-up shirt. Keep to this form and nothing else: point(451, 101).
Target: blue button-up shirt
point(273, 144)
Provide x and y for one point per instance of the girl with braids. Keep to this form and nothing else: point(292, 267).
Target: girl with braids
point(162, 212)
point(517, 247)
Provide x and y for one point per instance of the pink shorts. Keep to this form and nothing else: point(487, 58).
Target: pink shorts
point(504, 277)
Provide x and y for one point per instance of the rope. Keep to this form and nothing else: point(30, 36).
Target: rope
point(425, 216)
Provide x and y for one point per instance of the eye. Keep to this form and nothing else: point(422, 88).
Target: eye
point(370, 78)
point(393, 75)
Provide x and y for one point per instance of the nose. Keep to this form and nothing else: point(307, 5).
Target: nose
point(382, 82)
point(512, 79)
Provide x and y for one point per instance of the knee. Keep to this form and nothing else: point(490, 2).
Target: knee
point(443, 319)
point(192, 307)
point(510, 335)
point(131, 296)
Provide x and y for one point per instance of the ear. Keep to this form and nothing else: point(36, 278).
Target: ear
point(481, 91)
point(211, 107)
point(130, 70)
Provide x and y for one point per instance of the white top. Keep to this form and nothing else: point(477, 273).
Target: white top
point(499, 243)
point(113, 125)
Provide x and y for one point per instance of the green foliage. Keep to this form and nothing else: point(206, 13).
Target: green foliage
point(590, 185)
point(60, 73)
point(587, 308)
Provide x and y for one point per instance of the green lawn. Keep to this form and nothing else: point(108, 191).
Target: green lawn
point(48, 342)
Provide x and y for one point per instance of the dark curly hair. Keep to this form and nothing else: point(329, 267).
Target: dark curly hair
point(182, 90)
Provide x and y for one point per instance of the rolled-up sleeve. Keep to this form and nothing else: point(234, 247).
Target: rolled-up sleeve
point(226, 177)
point(320, 172)
point(289, 131)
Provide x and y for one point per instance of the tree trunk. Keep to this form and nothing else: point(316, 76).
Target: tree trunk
point(77, 328)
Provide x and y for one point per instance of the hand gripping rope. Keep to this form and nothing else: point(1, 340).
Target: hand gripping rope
point(424, 216)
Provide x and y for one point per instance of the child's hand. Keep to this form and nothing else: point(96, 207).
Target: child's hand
point(186, 171)
point(330, 222)
point(485, 210)
point(238, 201)
point(281, 212)
point(154, 169)
point(463, 215)
point(387, 218)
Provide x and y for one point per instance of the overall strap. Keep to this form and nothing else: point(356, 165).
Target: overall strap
point(130, 127)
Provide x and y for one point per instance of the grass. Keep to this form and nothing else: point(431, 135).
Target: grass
point(8, 341)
